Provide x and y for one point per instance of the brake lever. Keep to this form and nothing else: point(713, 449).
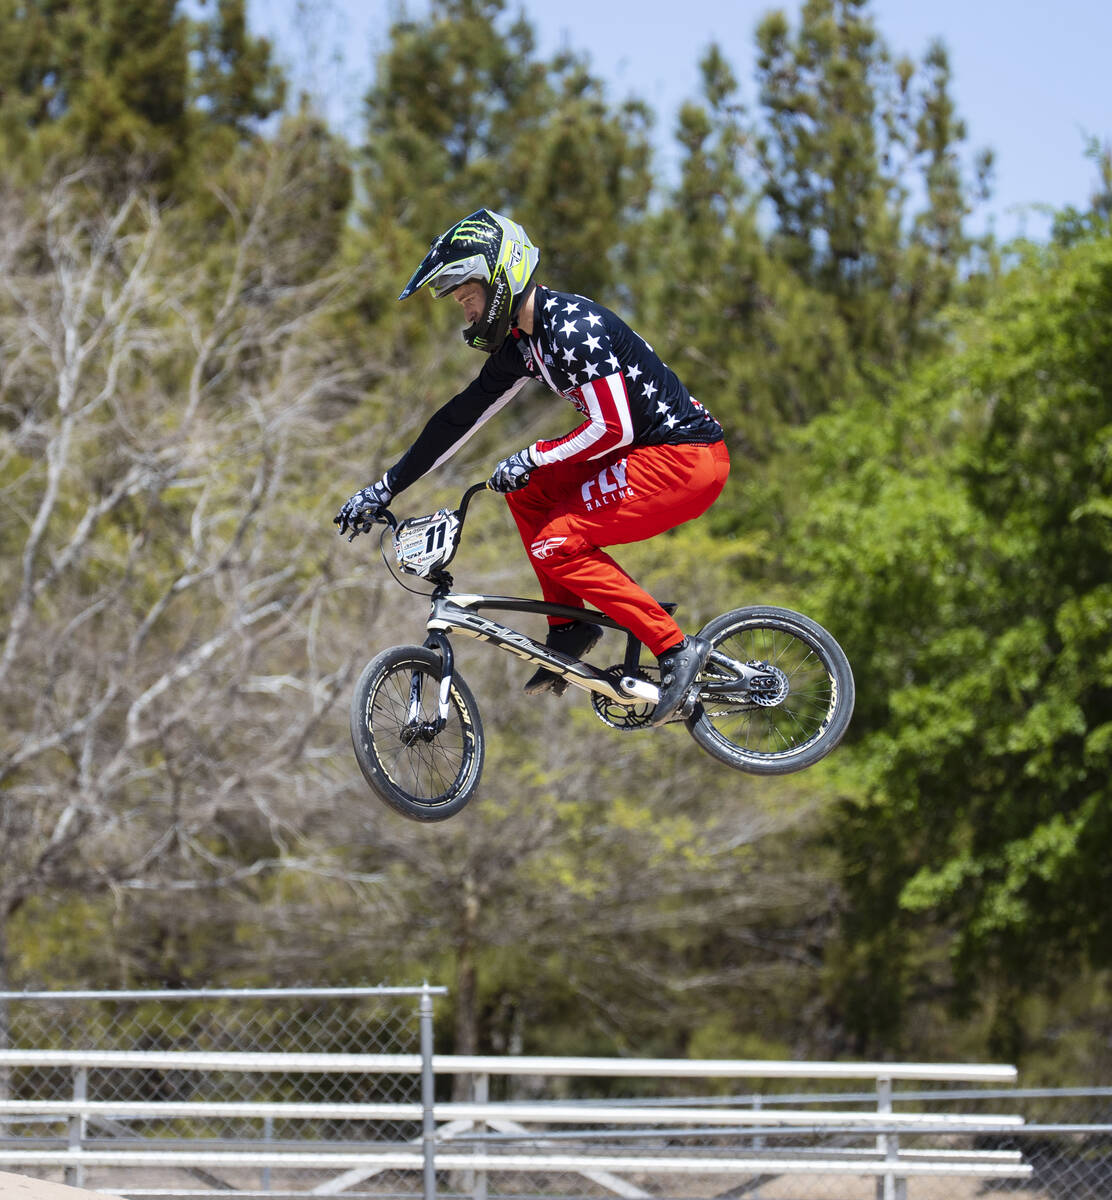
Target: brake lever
point(366, 524)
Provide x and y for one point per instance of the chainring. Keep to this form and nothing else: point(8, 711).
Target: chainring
point(626, 718)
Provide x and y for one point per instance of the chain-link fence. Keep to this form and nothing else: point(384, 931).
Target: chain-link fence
point(1065, 1139)
point(284, 1021)
point(1063, 1136)
point(807, 1149)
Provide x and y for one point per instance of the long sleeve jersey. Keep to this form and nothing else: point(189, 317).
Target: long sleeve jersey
point(624, 393)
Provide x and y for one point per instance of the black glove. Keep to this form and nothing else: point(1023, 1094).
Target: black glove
point(359, 512)
point(513, 472)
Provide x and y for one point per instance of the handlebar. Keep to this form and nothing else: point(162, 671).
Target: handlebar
point(473, 490)
point(385, 517)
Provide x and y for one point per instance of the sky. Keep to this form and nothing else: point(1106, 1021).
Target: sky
point(1032, 81)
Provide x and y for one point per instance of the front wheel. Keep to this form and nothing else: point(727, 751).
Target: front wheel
point(793, 702)
point(423, 768)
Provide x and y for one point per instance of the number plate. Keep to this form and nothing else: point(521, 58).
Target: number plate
point(424, 544)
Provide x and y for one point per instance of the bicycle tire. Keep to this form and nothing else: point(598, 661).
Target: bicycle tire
point(425, 775)
point(799, 730)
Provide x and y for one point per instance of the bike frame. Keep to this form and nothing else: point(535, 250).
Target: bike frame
point(461, 613)
point(458, 613)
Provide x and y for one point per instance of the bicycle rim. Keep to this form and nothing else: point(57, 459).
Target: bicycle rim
point(798, 730)
point(423, 774)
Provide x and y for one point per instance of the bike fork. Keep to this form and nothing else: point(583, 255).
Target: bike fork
point(438, 642)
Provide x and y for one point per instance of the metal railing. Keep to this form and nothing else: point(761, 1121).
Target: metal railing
point(533, 1152)
point(127, 1030)
point(337, 1121)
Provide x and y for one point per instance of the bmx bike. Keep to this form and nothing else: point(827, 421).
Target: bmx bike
point(774, 696)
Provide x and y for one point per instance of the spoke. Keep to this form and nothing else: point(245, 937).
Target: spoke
point(799, 719)
point(427, 769)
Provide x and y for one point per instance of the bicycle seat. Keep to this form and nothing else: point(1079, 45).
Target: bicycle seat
point(669, 606)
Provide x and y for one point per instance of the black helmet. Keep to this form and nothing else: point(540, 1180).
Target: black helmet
point(495, 252)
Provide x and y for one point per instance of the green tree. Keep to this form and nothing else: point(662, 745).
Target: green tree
point(842, 135)
point(463, 114)
point(965, 543)
point(1070, 224)
point(450, 94)
point(236, 82)
point(104, 78)
point(587, 183)
point(112, 80)
point(763, 348)
point(939, 242)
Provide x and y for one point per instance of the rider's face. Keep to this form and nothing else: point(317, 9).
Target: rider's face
point(472, 297)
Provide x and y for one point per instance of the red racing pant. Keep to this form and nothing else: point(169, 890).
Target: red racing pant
point(568, 511)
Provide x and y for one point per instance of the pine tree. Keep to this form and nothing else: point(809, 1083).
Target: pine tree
point(843, 133)
point(236, 83)
point(463, 115)
point(103, 79)
point(111, 81)
point(761, 347)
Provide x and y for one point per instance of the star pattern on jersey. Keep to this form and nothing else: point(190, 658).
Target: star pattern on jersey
point(626, 396)
point(574, 316)
point(580, 335)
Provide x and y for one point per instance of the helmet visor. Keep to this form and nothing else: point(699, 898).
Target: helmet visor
point(452, 275)
point(444, 273)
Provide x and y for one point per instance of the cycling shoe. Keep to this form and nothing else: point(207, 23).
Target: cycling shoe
point(679, 667)
point(573, 639)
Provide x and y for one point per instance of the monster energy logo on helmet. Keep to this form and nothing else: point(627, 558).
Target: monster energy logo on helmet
point(495, 252)
point(476, 231)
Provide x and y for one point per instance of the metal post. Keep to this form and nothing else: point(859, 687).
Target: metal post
point(889, 1186)
point(268, 1138)
point(75, 1176)
point(884, 1188)
point(758, 1144)
point(428, 1096)
point(480, 1093)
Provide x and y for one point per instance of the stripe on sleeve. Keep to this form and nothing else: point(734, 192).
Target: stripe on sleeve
point(609, 424)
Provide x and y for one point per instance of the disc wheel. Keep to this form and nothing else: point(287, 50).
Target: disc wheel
point(422, 770)
point(743, 729)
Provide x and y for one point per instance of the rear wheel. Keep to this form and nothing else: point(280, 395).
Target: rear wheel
point(792, 713)
point(424, 770)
